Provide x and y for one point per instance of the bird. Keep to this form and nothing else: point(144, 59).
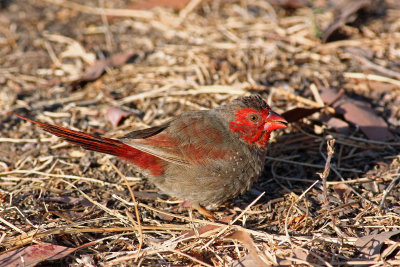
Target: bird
point(205, 157)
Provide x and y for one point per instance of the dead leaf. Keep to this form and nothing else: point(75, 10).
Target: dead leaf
point(359, 113)
point(245, 238)
point(301, 254)
point(347, 12)
point(70, 200)
point(343, 191)
point(296, 221)
point(296, 114)
point(115, 115)
point(370, 246)
point(337, 124)
point(94, 71)
point(149, 196)
point(33, 255)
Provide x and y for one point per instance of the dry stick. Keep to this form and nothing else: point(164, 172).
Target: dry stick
point(352, 189)
point(15, 228)
point(373, 66)
point(107, 33)
point(253, 232)
point(324, 175)
point(316, 256)
point(184, 255)
point(80, 178)
point(137, 14)
point(2, 237)
point(104, 208)
point(388, 190)
point(35, 235)
point(234, 220)
point(187, 10)
point(370, 77)
point(247, 208)
point(308, 164)
point(354, 181)
point(33, 140)
point(140, 231)
point(317, 95)
point(289, 211)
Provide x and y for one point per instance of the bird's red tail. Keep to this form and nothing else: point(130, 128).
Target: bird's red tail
point(104, 145)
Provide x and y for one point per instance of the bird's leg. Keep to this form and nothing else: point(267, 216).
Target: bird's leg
point(203, 211)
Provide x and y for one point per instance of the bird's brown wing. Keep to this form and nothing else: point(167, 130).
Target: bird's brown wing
point(148, 132)
point(194, 138)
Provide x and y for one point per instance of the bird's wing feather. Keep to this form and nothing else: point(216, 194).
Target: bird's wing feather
point(148, 132)
point(167, 154)
point(196, 137)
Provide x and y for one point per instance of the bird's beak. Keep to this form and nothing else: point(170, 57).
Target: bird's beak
point(274, 122)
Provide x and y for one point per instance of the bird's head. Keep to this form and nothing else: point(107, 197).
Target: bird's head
point(254, 120)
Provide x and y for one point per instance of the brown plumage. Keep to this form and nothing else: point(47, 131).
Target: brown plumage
point(205, 157)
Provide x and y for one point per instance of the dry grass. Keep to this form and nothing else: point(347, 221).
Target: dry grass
point(196, 58)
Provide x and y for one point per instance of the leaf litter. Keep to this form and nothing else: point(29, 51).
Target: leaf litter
point(198, 56)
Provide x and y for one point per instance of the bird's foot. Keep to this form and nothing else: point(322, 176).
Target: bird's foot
point(203, 211)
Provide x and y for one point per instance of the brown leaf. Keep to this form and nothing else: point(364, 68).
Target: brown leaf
point(245, 238)
point(370, 246)
point(347, 12)
point(296, 221)
point(343, 191)
point(94, 71)
point(337, 124)
point(296, 114)
point(359, 113)
point(115, 115)
point(148, 196)
point(70, 200)
point(33, 255)
point(301, 254)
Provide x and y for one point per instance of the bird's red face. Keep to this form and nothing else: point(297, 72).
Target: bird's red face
point(255, 126)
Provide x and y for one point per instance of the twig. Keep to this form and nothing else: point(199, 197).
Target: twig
point(17, 140)
point(234, 220)
point(324, 175)
point(185, 255)
point(366, 64)
point(389, 189)
point(74, 177)
point(138, 14)
point(140, 230)
point(187, 10)
point(308, 164)
point(247, 208)
point(371, 77)
point(104, 208)
point(12, 226)
point(290, 209)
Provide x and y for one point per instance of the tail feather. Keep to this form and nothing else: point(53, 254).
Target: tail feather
point(86, 140)
point(104, 145)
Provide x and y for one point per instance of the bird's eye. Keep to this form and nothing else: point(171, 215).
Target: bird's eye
point(253, 117)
